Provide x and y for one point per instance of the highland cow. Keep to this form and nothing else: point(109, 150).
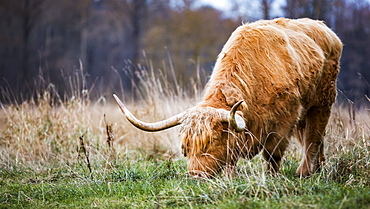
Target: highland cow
point(273, 80)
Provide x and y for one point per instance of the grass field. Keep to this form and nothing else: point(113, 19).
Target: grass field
point(79, 153)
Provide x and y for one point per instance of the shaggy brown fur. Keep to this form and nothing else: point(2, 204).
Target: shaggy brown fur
point(285, 71)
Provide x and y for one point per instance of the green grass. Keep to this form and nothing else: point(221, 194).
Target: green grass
point(142, 183)
point(44, 165)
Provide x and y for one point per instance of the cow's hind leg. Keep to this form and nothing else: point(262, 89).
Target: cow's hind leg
point(273, 152)
point(311, 136)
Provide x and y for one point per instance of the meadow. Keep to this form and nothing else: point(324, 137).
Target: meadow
point(78, 152)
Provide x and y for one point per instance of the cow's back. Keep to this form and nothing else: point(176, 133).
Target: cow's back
point(328, 41)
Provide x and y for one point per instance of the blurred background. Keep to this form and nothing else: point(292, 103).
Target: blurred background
point(43, 42)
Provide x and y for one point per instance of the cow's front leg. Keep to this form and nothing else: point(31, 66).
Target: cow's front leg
point(273, 152)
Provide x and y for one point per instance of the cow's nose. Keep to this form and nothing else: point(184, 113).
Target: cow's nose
point(199, 175)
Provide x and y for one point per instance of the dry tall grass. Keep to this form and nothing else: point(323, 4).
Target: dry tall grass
point(47, 130)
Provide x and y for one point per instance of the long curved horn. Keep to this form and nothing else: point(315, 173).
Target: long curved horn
point(236, 121)
point(157, 126)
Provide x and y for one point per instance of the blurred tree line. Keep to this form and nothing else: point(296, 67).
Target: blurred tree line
point(113, 39)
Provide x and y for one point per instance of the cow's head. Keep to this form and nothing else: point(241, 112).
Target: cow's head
point(208, 136)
